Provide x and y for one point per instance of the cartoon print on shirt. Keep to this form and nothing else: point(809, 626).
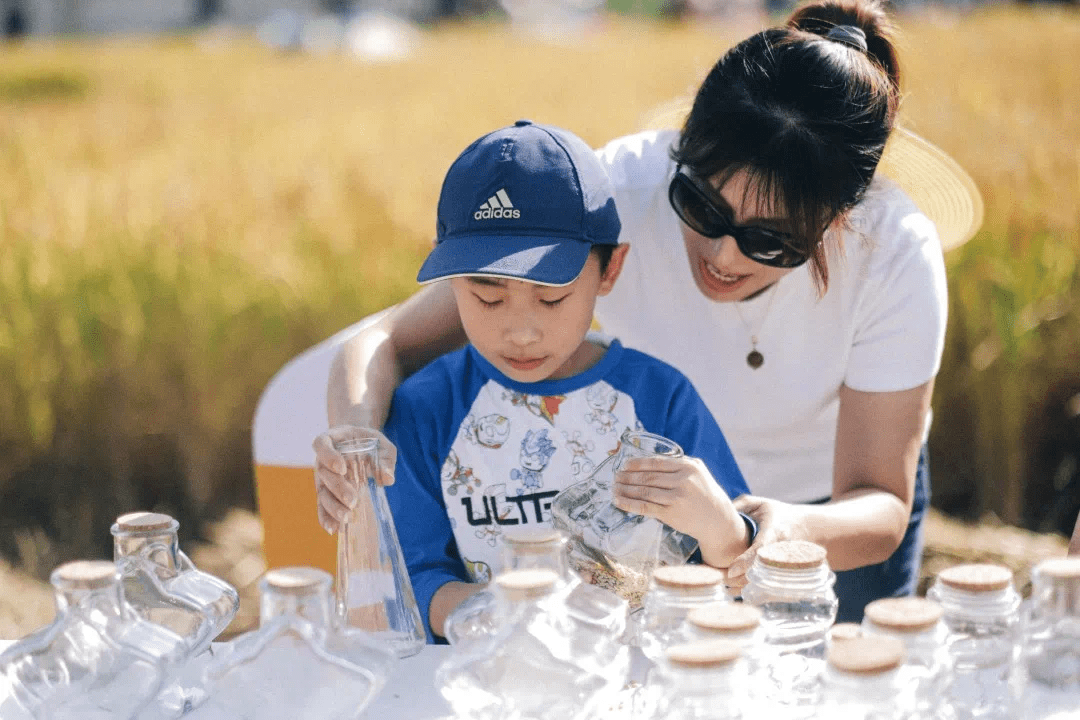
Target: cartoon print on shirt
point(543, 406)
point(580, 464)
point(458, 476)
point(536, 452)
point(602, 399)
point(478, 570)
point(490, 431)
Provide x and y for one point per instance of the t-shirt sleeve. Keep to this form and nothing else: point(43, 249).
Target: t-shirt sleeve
point(416, 502)
point(901, 314)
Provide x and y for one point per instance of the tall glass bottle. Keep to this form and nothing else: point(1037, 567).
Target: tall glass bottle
point(981, 613)
point(97, 660)
point(702, 680)
point(862, 680)
point(792, 585)
point(298, 664)
point(612, 548)
point(1051, 647)
point(541, 664)
point(372, 590)
point(674, 591)
point(917, 623)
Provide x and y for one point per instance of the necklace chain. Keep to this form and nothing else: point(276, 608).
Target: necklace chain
point(754, 358)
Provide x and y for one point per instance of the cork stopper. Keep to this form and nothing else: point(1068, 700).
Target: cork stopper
point(296, 580)
point(841, 632)
point(703, 654)
point(1066, 568)
point(534, 535)
point(524, 584)
point(977, 578)
point(867, 655)
point(792, 555)
point(685, 577)
point(904, 614)
point(725, 617)
point(144, 522)
point(86, 574)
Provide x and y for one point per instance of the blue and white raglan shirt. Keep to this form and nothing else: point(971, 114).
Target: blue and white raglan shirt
point(479, 452)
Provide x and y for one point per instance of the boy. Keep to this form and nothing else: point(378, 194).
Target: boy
point(488, 435)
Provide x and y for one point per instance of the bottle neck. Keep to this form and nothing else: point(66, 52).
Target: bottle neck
point(662, 597)
point(312, 605)
point(161, 548)
point(104, 603)
point(699, 687)
point(920, 647)
point(792, 581)
point(878, 690)
point(546, 556)
point(989, 605)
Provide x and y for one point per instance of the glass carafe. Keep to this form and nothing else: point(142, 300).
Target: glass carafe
point(981, 614)
point(298, 664)
point(862, 680)
point(702, 680)
point(97, 660)
point(541, 663)
point(675, 590)
point(373, 592)
point(1051, 648)
point(612, 548)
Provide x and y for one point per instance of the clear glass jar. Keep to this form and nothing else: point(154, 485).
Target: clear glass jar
point(702, 680)
point(373, 592)
point(792, 585)
point(97, 660)
point(674, 591)
point(299, 663)
point(612, 548)
point(917, 623)
point(1051, 645)
point(738, 622)
point(862, 680)
point(541, 664)
point(981, 614)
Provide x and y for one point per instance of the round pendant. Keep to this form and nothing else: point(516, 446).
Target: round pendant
point(754, 359)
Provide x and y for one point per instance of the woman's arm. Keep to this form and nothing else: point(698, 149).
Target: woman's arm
point(1074, 544)
point(878, 439)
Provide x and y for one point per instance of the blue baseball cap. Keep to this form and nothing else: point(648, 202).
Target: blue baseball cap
point(526, 202)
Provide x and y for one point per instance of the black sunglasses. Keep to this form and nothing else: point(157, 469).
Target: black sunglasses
point(695, 208)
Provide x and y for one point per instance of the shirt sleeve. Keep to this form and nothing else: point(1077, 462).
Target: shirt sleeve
point(416, 502)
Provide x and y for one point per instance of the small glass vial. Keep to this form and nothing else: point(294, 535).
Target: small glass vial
point(97, 660)
point(862, 680)
point(701, 680)
point(917, 623)
point(674, 591)
point(534, 666)
point(373, 591)
point(298, 663)
point(1051, 647)
point(981, 614)
point(792, 585)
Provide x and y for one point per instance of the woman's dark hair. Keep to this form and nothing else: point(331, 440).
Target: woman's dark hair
point(805, 116)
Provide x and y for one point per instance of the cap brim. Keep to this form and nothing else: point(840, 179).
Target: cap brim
point(935, 182)
point(543, 260)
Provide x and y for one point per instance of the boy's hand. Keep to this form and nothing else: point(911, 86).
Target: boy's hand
point(682, 493)
point(335, 493)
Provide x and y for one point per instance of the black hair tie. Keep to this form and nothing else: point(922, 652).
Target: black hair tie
point(848, 35)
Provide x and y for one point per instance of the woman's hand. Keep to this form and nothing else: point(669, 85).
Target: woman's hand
point(776, 521)
point(335, 494)
point(682, 493)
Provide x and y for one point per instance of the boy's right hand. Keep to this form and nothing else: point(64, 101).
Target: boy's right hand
point(334, 492)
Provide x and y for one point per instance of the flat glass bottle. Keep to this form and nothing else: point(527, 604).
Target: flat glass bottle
point(1051, 643)
point(862, 680)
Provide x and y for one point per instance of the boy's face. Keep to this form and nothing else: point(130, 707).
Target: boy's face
point(534, 332)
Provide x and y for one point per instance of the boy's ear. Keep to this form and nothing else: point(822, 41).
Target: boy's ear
point(615, 266)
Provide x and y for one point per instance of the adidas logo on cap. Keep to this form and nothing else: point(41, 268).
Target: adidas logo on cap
point(497, 206)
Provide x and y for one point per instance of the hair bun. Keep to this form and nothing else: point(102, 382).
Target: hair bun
point(848, 35)
point(861, 24)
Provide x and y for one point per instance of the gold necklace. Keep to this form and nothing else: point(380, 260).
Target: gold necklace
point(754, 358)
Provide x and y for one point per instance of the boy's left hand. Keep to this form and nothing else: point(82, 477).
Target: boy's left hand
point(682, 493)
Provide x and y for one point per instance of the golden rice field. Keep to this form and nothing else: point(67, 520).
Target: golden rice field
point(179, 217)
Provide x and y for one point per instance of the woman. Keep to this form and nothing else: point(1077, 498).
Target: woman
point(804, 298)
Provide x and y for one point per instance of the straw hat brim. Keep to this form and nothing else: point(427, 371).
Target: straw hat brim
point(939, 187)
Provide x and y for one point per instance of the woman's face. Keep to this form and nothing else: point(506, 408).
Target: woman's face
point(721, 271)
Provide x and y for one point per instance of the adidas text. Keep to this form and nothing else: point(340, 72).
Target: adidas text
point(487, 214)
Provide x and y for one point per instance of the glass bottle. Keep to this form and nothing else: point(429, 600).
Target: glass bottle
point(97, 660)
point(981, 614)
point(541, 664)
point(917, 623)
point(738, 622)
point(1051, 647)
point(298, 663)
point(372, 590)
point(862, 680)
point(792, 585)
point(674, 591)
point(612, 548)
point(702, 680)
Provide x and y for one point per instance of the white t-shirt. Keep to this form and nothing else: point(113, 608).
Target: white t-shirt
point(880, 327)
